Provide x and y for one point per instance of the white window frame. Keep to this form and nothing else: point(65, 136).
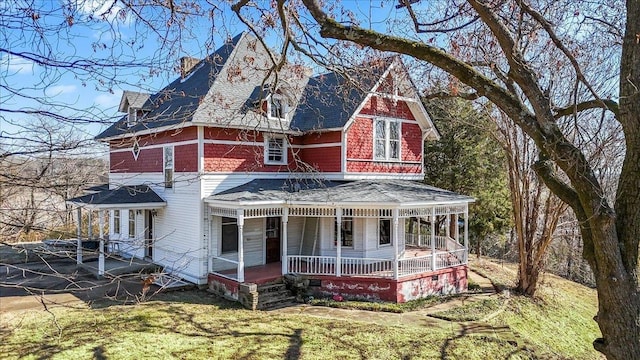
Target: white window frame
point(132, 224)
point(387, 139)
point(390, 232)
point(135, 149)
point(117, 225)
point(267, 150)
point(132, 116)
point(283, 103)
point(165, 166)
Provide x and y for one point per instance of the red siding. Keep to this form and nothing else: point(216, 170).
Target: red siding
point(186, 158)
point(378, 106)
point(322, 138)
point(360, 139)
point(323, 159)
point(230, 158)
point(165, 137)
point(149, 160)
point(232, 134)
point(411, 142)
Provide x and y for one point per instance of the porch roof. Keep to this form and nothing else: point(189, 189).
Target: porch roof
point(133, 197)
point(386, 193)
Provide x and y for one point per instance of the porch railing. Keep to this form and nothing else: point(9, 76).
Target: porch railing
point(442, 242)
point(228, 272)
point(414, 265)
point(326, 265)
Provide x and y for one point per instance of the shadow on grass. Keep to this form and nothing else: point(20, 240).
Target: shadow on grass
point(502, 335)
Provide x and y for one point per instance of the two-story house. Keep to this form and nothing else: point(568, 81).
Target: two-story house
point(236, 174)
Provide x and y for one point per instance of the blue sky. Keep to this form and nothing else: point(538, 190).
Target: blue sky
point(95, 29)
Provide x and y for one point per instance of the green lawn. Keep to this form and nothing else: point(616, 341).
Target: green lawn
point(195, 325)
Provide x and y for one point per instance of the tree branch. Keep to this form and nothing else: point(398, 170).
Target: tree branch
point(586, 105)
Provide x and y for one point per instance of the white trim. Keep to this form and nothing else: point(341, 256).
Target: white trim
point(314, 146)
point(155, 146)
point(233, 142)
point(165, 168)
point(150, 131)
point(136, 206)
point(387, 139)
point(200, 151)
point(343, 154)
point(284, 149)
point(395, 162)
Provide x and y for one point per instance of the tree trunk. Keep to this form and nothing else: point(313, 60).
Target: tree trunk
point(528, 278)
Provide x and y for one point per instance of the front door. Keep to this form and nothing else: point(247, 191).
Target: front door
point(148, 236)
point(273, 240)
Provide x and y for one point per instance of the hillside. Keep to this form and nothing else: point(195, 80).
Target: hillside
point(195, 325)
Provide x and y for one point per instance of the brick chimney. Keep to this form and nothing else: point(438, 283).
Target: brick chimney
point(186, 65)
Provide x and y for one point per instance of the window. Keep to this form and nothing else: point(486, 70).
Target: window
point(384, 232)
point(168, 167)
point(275, 150)
point(132, 117)
point(387, 139)
point(132, 223)
point(346, 232)
point(116, 221)
point(229, 235)
point(277, 107)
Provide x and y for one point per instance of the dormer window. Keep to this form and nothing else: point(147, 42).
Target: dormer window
point(387, 139)
point(132, 116)
point(277, 107)
point(275, 150)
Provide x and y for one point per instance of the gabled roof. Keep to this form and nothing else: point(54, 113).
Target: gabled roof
point(132, 99)
point(178, 101)
point(329, 100)
point(136, 197)
point(360, 192)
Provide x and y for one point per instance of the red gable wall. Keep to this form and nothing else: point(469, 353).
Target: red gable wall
point(360, 139)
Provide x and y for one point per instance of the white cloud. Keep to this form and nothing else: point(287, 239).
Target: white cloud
point(106, 101)
point(107, 10)
point(60, 90)
point(16, 65)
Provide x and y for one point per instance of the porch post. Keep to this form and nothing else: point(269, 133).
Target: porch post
point(89, 227)
point(240, 215)
point(101, 249)
point(396, 240)
point(447, 231)
point(466, 233)
point(419, 231)
point(79, 240)
point(338, 241)
point(456, 229)
point(285, 221)
point(433, 238)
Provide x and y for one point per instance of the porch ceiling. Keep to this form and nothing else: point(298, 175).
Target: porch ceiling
point(381, 193)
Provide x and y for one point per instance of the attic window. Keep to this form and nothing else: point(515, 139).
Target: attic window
point(132, 116)
point(277, 107)
point(275, 150)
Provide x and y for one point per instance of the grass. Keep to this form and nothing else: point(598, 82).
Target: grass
point(193, 325)
point(171, 328)
point(383, 306)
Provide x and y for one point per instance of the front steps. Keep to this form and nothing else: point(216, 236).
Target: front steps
point(274, 295)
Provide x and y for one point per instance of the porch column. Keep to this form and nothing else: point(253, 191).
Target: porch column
point(89, 227)
point(433, 238)
point(466, 233)
point(419, 231)
point(338, 241)
point(447, 231)
point(240, 245)
point(456, 229)
point(285, 221)
point(101, 248)
point(79, 240)
point(395, 241)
